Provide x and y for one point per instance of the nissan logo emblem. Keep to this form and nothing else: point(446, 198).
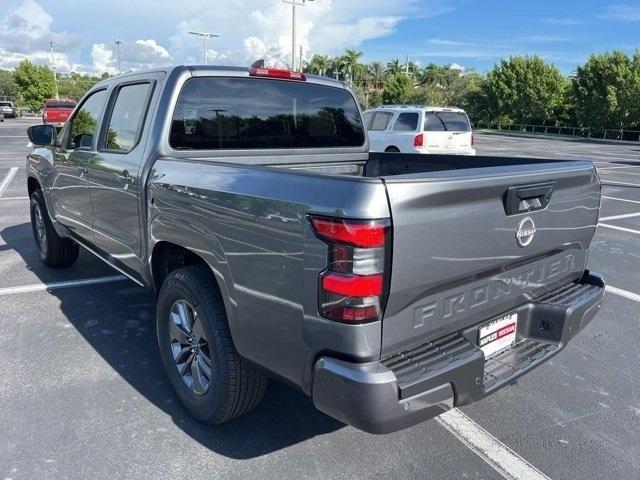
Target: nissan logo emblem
point(526, 231)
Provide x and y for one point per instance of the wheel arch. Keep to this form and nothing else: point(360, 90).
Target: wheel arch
point(33, 184)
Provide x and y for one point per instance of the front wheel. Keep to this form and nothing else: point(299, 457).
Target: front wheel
point(54, 251)
point(211, 380)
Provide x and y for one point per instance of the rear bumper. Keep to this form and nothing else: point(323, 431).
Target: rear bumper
point(421, 383)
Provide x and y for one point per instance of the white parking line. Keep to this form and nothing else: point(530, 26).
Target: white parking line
point(504, 460)
point(622, 229)
point(621, 199)
point(623, 293)
point(618, 217)
point(7, 180)
point(40, 287)
point(622, 184)
point(14, 198)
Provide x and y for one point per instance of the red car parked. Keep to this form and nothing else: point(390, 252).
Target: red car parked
point(57, 111)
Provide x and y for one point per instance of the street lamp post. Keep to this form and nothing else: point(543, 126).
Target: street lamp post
point(204, 37)
point(118, 43)
point(294, 4)
point(53, 67)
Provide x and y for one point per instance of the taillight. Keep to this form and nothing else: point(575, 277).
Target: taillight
point(473, 140)
point(418, 140)
point(354, 286)
point(276, 73)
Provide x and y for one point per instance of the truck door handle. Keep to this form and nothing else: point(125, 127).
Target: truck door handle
point(528, 198)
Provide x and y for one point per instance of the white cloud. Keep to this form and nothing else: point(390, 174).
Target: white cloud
point(25, 33)
point(566, 22)
point(248, 29)
point(625, 13)
point(103, 59)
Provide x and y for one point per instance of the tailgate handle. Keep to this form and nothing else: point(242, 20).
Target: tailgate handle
point(528, 198)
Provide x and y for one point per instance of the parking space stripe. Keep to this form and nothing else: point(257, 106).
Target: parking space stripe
point(619, 217)
point(623, 293)
point(621, 184)
point(41, 287)
point(621, 199)
point(7, 180)
point(622, 229)
point(14, 198)
point(500, 457)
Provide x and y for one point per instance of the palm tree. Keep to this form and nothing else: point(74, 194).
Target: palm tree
point(349, 61)
point(319, 64)
point(394, 66)
point(377, 75)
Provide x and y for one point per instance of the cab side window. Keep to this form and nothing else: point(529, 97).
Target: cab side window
point(84, 124)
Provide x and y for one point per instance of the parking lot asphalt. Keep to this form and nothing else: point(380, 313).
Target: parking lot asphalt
point(83, 394)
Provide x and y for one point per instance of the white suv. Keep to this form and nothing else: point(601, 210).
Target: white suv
point(415, 129)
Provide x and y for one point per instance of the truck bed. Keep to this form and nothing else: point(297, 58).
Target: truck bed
point(456, 260)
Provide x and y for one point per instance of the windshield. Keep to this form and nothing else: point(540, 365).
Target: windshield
point(6, 104)
point(60, 104)
point(446, 122)
point(250, 113)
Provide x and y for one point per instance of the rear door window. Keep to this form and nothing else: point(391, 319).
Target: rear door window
point(381, 121)
point(446, 121)
point(251, 113)
point(127, 116)
point(406, 122)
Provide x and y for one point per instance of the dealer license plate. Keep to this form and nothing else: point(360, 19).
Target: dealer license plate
point(498, 334)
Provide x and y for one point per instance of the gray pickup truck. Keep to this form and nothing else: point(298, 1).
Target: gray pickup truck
point(388, 287)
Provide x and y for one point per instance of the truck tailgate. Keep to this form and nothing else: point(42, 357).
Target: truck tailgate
point(456, 257)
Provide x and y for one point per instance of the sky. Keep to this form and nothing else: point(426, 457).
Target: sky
point(472, 34)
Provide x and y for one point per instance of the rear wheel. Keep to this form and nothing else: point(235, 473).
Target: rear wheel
point(211, 380)
point(392, 150)
point(54, 251)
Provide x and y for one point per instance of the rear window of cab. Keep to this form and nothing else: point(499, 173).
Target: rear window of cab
point(219, 113)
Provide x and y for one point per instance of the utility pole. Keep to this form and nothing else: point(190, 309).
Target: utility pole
point(294, 4)
point(204, 37)
point(53, 67)
point(118, 43)
point(300, 58)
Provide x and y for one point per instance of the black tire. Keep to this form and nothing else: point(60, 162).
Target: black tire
point(54, 251)
point(235, 387)
point(392, 150)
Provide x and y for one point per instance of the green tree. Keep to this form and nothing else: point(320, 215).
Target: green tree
point(75, 85)
point(525, 89)
point(35, 83)
point(399, 89)
point(319, 64)
point(394, 66)
point(349, 62)
point(606, 91)
point(377, 75)
point(8, 90)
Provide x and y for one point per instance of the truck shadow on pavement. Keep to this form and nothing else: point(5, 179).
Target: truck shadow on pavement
point(118, 321)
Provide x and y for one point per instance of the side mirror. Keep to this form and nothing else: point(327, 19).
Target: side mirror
point(42, 135)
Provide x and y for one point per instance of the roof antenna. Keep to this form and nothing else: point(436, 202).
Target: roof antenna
point(258, 63)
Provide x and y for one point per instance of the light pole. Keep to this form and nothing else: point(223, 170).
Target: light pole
point(204, 37)
point(294, 4)
point(118, 43)
point(53, 67)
